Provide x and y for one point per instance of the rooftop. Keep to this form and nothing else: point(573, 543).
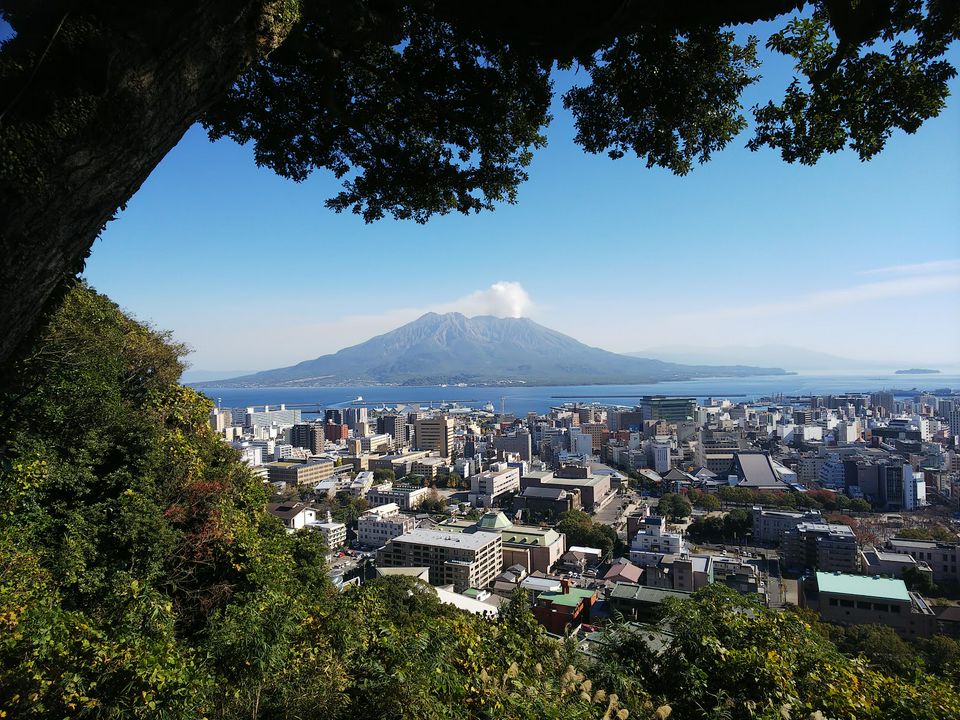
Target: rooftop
point(642, 593)
point(863, 586)
point(571, 598)
point(440, 538)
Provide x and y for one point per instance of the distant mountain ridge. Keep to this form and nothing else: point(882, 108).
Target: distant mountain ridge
point(797, 358)
point(452, 348)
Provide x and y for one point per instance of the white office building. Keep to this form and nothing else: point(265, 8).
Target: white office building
point(378, 525)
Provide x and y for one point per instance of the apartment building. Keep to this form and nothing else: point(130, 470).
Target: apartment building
point(824, 546)
point(406, 497)
point(300, 473)
point(463, 560)
point(380, 524)
point(770, 525)
point(940, 556)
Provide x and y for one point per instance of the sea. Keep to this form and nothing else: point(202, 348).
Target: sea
point(521, 399)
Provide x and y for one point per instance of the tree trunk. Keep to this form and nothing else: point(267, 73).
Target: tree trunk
point(155, 75)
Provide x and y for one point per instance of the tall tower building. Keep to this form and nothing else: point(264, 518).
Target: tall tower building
point(435, 434)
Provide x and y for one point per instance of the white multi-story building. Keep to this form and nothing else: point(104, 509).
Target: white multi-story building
point(580, 442)
point(334, 533)
point(383, 523)
point(361, 484)
point(487, 487)
point(914, 489)
point(653, 541)
point(463, 560)
point(408, 498)
point(376, 443)
point(661, 454)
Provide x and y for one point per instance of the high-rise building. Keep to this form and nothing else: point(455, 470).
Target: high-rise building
point(671, 409)
point(333, 415)
point(395, 426)
point(883, 400)
point(435, 433)
point(335, 432)
point(308, 435)
point(278, 417)
point(519, 443)
point(353, 416)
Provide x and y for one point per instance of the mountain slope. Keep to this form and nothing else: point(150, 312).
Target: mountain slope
point(452, 348)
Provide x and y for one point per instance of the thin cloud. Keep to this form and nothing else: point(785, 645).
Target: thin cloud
point(916, 268)
point(865, 292)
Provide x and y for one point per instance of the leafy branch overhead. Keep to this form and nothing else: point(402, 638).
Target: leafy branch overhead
point(425, 110)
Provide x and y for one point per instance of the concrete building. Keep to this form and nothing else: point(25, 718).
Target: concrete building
point(380, 442)
point(406, 497)
point(940, 556)
point(463, 560)
point(380, 524)
point(278, 417)
point(361, 484)
point(519, 443)
point(428, 467)
point(334, 533)
point(487, 487)
point(684, 572)
point(547, 502)
point(593, 488)
point(300, 473)
point(536, 549)
point(822, 546)
point(435, 434)
point(890, 564)
point(653, 541)
point(770, 525)
point(671, 409)
point(309, 436)
point(845, 599)
point(395, 426)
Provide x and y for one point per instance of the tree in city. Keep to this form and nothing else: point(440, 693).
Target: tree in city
point(420, 108)
point(581, 530)
point(384, 475)
point(919, 581)
point(433, 503)
point(705, 501)
point(674, 506)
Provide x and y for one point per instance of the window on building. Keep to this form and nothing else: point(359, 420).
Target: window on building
point(881, 607)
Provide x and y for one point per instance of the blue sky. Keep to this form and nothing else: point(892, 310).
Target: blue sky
point(858, 259)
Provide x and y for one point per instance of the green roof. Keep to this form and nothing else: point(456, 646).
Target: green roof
point(862, 585)
point(571, 598)
point(494, 521)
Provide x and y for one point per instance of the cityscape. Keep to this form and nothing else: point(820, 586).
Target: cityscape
point(845, 504)
point(414, 360)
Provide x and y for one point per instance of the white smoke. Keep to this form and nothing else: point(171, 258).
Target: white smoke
point(502, 299)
